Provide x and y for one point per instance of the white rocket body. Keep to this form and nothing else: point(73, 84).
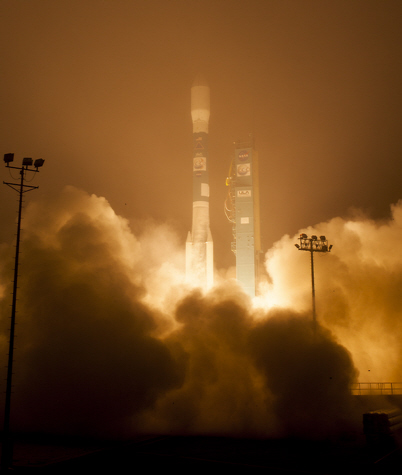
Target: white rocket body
point(199, 245)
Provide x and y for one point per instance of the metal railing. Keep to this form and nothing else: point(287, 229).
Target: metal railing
point(359, 389)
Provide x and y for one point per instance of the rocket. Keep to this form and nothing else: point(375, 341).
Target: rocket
point(199, 245)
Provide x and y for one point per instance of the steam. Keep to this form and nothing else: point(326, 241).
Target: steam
point(112, 341)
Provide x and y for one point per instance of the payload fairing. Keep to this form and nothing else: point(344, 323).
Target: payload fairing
point(199, 245)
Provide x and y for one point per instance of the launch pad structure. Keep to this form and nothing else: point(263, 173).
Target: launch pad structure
point(242, 205)
point(242, 208)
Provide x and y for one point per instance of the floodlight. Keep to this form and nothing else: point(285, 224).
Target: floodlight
point(323, 238)
point(298, 247)
point(314, 237)
point(304, 236)
point(8, 158)
point(26, 162)
point(39, 162)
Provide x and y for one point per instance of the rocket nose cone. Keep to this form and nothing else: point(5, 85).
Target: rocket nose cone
point(200, 81)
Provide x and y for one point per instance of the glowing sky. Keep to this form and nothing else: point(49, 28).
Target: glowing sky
point(101, 90)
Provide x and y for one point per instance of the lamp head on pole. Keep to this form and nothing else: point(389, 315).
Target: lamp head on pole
point(313, 244)
point(8, 158)
point(27, 162)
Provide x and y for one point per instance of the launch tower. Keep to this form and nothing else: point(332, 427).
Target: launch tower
point(242, 208)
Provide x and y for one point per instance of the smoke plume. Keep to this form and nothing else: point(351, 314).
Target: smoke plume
point(358, 288)
point(111, 340)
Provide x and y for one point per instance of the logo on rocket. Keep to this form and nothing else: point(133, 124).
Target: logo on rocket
point(199, 165)
point(198, 144)
point(244, 193)
point(243, 170)
point(243, 155)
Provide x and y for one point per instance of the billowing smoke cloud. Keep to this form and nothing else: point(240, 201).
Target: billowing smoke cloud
point(110, 339)
point(308, 373)
point(357, 286)
point(267, 377)
point(86, 358)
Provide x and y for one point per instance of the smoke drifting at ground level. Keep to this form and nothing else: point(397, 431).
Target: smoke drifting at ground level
point(111, 341)
point(265, 377)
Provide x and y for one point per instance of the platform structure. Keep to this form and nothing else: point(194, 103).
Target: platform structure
point(376, 389)
point(242, 208)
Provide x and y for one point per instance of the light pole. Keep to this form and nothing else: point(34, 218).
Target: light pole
point(313, 244)
point(20, 188)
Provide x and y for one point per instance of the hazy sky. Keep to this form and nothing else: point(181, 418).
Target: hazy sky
point(108, 333)
point(101, 91)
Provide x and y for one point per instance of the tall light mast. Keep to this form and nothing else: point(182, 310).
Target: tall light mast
point(313, 244)
point(21, 188)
